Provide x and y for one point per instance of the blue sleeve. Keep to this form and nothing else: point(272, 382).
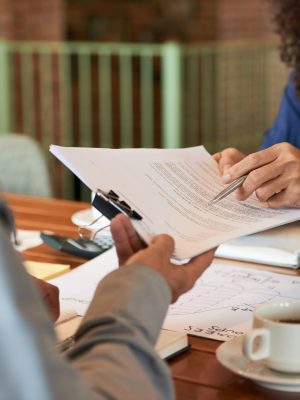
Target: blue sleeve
point(286, 127)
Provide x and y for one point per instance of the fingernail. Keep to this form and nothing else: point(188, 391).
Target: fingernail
point(226, 178)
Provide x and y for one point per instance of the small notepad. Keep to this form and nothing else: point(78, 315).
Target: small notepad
point(44, 270)
point(170, 343)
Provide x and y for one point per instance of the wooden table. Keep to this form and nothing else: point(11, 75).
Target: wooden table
point(196, 373)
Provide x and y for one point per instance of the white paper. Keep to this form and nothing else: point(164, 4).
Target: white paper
point(76, 288)
point(218, 307)
point(220, 304)
point(171, 189)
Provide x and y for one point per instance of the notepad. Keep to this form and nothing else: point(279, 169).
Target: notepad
point(44, 270)
point(171, 343)
point(278, 246)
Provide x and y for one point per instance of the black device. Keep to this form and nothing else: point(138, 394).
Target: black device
point(85, 248)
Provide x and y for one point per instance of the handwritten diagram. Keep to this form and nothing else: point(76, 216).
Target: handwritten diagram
point(223, 300)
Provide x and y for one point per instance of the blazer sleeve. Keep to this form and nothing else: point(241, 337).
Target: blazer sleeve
point(113, 358)
point(114, 345)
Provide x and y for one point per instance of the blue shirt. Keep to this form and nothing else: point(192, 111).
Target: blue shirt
point(286, 127)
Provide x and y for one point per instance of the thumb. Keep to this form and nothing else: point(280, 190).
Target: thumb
point(164, 245)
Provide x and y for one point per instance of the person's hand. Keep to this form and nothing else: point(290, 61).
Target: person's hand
point(274, 175)
point(50, 296)
point(131, 250)
point(227, 158)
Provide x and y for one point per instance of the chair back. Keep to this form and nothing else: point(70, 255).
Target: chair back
point(23, 167)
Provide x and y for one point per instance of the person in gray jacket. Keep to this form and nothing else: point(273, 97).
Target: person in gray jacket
point(113, 356)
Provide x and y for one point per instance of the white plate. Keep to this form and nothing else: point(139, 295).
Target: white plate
point(86, 217)
point(230, 355)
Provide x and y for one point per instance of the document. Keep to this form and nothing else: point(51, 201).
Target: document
point(218, 307)
point(220, 304)
point(77, 287)
point(171, 190)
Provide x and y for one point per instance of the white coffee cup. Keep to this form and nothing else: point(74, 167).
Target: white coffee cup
point(275, 336)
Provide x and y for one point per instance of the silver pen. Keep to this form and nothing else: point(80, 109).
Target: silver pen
point(229, 189)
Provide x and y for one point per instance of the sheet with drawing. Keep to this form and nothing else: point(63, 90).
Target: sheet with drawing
point(171, 189)
point(218, 307)
point(220, 304)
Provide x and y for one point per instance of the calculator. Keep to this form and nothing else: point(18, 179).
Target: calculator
point(81, 247)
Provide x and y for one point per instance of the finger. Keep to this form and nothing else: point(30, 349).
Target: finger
point(50, 296)
point(51, 301)
point(217, 156)
point(164, 245)
point(258, 178)
point(271, 188)
point(226, 162)
point(250, 163)
point(198, 264)
point(156, 255)
point(126, 239)
point(289, 197)
point(196, 267)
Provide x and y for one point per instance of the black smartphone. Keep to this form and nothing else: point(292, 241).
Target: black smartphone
point(84, 248)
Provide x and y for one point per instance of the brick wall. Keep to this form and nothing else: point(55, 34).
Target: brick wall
point(32, 19)
point(134, 20)
point(160, 20)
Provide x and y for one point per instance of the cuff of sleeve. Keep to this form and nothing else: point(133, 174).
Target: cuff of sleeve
point(136, 293)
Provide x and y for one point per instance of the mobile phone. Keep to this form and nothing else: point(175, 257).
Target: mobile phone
point(80, 247)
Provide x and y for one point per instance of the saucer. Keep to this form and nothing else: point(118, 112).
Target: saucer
point(230, 355)
point(86, 217)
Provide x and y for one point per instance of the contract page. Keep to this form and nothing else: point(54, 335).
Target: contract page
point(171, 190)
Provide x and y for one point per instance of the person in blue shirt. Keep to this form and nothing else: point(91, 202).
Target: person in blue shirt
point(274, 171)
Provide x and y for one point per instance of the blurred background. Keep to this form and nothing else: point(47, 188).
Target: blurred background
point(136, 73)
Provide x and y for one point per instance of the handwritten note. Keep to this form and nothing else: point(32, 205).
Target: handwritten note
point(221, 303)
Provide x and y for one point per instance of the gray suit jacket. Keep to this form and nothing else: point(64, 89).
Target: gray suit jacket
point(113, 357)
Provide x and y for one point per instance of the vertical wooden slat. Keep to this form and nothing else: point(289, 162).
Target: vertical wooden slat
point(47, 112)
point(5, 89)
point(126, 117)
point(193, 103)
point(171, 95)
point(105, 99)
point(147, 100)
point(66, 114)
point(85, 110)
point(27, 92)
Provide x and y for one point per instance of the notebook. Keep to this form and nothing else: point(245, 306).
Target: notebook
point(169, 344)
point(279, 246)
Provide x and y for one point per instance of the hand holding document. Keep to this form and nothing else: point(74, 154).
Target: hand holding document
point(171, 189)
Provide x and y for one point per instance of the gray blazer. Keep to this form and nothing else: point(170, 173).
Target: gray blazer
point(113, 357)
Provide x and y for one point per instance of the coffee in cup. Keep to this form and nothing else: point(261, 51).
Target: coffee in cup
point(275, 336)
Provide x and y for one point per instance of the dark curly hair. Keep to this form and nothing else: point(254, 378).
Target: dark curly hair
point(287, 20)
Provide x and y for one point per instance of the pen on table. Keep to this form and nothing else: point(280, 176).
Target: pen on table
point(229, 189)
